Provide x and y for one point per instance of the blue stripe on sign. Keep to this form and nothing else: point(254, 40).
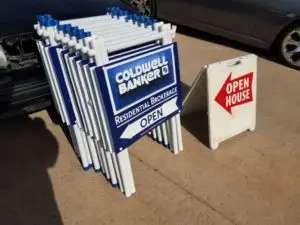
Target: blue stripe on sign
point(65, 52)
point(85, 62)
point(78, 58)
point(62, 83)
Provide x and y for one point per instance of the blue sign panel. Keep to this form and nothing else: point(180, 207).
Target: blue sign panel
point(75, 106)
point(140, 93)
point(62, 83)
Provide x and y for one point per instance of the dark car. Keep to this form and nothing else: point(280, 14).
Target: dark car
point(23, 84)
point(267, 24)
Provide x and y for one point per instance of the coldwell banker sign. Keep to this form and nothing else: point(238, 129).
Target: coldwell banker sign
point(140, 93)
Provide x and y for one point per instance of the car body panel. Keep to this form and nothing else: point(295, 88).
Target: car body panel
point(254, 22)
point(17, 16)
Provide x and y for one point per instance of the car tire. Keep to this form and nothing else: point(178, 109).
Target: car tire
point(288, 46)
point(145, 7)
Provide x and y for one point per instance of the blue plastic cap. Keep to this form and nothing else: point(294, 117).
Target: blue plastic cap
point(48, 23)
point(54, 23)
point(151, 22)
point(147, 22)
point(51, 23)
point(120, 13)
point(135, 17)
point(143, 19)
point(98, 170)
point(140, 19)
point(115, 185)
point(64, 27)
point(68, 29)
point(115, 11)
point(86, 168)
point(41, 19)
point(74, 31)
point(48, 17)
point(81, 34)
point(59, 27)
point(42, 22)
point(88, 34)
point(129, 17)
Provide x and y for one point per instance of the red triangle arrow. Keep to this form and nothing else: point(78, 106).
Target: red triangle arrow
point(235, 92)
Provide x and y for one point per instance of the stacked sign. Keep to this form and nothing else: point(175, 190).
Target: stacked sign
point(114, 79)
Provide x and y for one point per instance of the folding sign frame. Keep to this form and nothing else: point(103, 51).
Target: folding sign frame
point(71, 60)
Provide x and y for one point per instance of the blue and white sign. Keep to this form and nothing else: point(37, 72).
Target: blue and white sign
point(140, 93)
point(62, 83)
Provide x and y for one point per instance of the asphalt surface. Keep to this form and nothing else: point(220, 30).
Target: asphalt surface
point(253, 178)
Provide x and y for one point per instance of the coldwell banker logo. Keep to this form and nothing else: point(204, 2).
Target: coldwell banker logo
point(142, 75)
point(140, 91)
point(133, 81)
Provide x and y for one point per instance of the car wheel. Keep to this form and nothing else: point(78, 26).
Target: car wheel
point(145, 7)
point(289, 46)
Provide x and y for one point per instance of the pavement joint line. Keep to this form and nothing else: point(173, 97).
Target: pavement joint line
point(230, 220)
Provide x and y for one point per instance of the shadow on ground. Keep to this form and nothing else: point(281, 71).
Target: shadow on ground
point(56, 119)
point(196, 123)
point(27, 150)
point(194, 118)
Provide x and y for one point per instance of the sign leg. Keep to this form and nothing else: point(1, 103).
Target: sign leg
point(179, 132)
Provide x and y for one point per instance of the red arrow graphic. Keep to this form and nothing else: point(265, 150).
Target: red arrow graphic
point(235, 92)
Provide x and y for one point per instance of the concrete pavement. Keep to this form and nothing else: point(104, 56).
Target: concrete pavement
point(252, 179)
